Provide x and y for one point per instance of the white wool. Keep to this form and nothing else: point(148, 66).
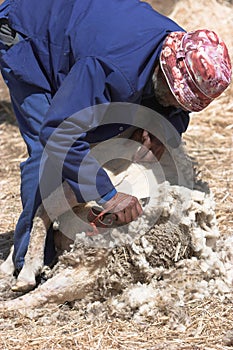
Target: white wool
point(139, 295)
point(198, 240)
point(222, 286)
point(147, 247)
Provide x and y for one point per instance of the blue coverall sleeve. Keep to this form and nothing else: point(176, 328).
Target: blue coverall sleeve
point(72, 113)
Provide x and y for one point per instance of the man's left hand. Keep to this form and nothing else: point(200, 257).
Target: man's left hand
point(151, 147)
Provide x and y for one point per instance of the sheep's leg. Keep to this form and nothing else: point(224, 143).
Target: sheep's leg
point(52, 207)
point(70, 284)
point(7, 267)
point(34, 258)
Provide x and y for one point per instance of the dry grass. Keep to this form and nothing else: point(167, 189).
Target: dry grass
point(209, 141)
point(64, 331)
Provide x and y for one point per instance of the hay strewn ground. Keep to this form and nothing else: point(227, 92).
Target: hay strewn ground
point(209, 141)
point(210, 135)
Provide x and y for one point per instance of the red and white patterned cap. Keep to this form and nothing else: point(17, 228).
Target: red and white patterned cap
point(197, 67)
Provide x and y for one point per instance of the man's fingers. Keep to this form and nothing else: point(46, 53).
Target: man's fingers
point(140, 154)
point(126, 207)
point(146, 156)
point(146, 140)
point(157, 147)
point(120, 217)
point(137, 135)
point(130, 213)
point(134, 213)
point(158, 152)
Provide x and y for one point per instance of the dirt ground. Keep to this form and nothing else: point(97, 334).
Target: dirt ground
point(209, 141)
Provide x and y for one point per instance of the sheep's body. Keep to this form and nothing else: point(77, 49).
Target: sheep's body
point(140, 180)
point(93, 270)
point(177, 223)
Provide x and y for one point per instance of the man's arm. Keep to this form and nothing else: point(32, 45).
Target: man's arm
point(72, 114)
point(152, 147)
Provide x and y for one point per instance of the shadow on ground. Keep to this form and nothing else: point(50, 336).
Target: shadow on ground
point(6, 113)
point(6, 241)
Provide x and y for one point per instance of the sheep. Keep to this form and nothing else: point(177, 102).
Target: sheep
point(122, 173)
point(97, 269)
point(177, 222)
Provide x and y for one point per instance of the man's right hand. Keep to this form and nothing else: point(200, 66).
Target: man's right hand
point(126, 207)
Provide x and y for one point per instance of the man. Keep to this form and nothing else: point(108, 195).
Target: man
point(60, 57)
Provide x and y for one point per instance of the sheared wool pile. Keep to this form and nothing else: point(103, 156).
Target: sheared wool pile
point(189, 281)
point(143, 283)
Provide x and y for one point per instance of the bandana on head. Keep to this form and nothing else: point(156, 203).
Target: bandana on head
point(197, 67)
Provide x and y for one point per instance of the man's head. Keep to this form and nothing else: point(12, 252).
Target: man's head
point(196, 66)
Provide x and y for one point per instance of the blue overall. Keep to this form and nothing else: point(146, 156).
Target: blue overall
point(71, 55)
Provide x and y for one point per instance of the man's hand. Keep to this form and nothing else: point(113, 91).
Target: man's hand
point(126, 207)
point(151, 147)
